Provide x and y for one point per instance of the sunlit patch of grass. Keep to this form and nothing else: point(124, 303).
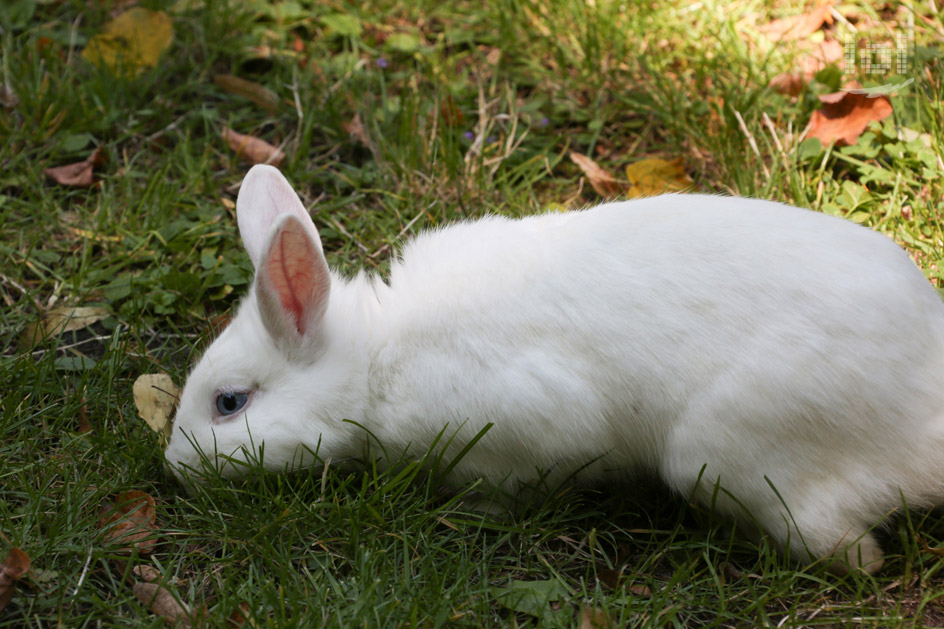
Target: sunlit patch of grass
point(467, 108)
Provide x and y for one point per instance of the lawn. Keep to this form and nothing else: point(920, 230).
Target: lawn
point(119, 257)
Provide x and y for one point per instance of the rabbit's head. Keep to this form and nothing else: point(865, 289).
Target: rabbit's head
point(278, 382)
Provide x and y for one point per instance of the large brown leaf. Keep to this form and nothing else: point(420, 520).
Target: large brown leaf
point(129, 522)
point(79, 174)
point(845, 115)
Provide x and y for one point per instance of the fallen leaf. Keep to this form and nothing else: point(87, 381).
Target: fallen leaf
point(159, 600)
point(937, 552)
point(219, 322)
point(16, 564)
point(817, 57)
point(130, 522)
point(649, 177)
point(609, 577)
point(239, 616)
point(540, 599)
point(601, 181)
point(593, 618)
point(132, 41)
point(60, 320)
point(355, 129)
point(262, 96)
point(615, 580)
point(253, 149)
point(79, 174)
point(800, 26)
point(845, 115)
point(146, 573)
point(155, 396)
point(640, 590)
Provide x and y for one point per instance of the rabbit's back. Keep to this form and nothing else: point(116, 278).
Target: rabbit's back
point(634, 330)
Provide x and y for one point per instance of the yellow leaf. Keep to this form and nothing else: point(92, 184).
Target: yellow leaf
point(649, 177)
point(132, 41)
point(155, 396)
point(59, 320)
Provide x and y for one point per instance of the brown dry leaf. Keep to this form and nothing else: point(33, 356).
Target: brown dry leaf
point(146, 573)
point(593, 618)
point(67, 319)
point(134, 40)
point(16, 564)
point(253, 149)
point(263, 97)
point(609, 577)
point(155, 396)
point(937, 552)
point(59, 320)
point(615, 580)
point(130, 522)
point(799, 26)
point(649, 177)
point(79, 174)
point(845, 115)
point(818, 57)
point(603, 182)
point(239, 616)
point(220, 322)
point(159, 600)
point(355, 129)
point(640, 590)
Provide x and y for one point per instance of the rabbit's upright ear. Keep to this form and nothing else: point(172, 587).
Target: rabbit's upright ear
point(292, 278)
point(265, 195)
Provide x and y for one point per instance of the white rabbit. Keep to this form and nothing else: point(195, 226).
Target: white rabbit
point(794, 359)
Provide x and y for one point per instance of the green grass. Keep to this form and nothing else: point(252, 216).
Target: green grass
point(155, 244)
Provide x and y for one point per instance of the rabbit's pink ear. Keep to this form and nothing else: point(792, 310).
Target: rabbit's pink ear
point(292, 283)
point(264, 196)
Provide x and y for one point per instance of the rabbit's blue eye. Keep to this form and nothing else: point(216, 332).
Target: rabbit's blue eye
point(229, 402)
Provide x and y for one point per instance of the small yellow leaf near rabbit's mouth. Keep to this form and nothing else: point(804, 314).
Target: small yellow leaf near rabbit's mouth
point(156, 396)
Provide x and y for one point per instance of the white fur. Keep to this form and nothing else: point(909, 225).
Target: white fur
point(744, 342)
